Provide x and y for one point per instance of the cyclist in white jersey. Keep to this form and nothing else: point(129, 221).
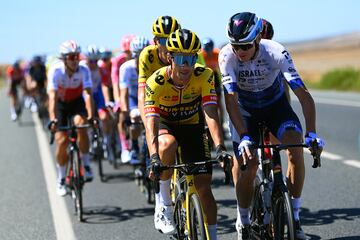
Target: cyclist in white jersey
point(252, 73)
point(92, 58)
point(69, 89)
point(128, 83)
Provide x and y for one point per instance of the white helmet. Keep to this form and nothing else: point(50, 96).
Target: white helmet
point(93, 52)
point(68, 47)
point(137, 44)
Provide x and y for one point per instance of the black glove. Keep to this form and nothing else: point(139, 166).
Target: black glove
point(221, 153)
point(155, 164)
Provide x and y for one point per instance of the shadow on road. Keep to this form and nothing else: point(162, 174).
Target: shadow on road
point(26, 123)
point(113, 214)
point(226, 225)
point(328, 216)
point(118, 177)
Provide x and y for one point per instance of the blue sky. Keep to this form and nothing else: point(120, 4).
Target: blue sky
point(39, 26)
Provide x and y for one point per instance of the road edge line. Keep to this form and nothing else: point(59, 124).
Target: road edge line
point(59, 211)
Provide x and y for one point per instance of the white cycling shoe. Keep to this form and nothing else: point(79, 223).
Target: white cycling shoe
point(125, 156)
point(163, 220)
point(61, 188)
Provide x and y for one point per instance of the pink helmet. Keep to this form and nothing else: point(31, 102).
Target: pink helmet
point(125, 42)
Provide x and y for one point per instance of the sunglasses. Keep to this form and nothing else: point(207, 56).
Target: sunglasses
point(162, 41)
point(243, 47)
point(72, 57)
point(93, 61)
point(190, 60)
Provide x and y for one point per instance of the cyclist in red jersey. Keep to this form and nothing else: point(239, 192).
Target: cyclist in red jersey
point(69, 90)
point(105, 72)
point(15, 76)
point(116, 63)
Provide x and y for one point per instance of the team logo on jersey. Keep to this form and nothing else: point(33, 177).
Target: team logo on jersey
point(226, 79)
point(148, 89)
point(147, 103)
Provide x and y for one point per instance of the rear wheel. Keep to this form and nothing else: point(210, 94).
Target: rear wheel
point(197, 227)
point(284, 227)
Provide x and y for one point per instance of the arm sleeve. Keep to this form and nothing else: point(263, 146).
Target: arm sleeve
point(123, 76)
point(227, 70)
point(152, 93)
point(208, 92)
point(87, 81)
point(287, 67)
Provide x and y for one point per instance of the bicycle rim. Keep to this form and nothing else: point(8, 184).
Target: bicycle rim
point(78, 187)
point(284, 227)
point(257, 211)
point(197, 227)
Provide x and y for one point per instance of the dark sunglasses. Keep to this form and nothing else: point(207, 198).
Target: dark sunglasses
point(72, 57)
point(93, 61)
point(190, 60)
point(162, 41)
point(243, 47)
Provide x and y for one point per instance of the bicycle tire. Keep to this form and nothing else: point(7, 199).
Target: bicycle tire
point(78, 182)
point(197, 227)
point(257, 209)
point(180, 217)
point(284, 224)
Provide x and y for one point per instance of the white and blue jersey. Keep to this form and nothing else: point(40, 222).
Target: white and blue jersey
point(128, 78)
point(258, 82)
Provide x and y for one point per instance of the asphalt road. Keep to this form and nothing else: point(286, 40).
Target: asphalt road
point(117, 210)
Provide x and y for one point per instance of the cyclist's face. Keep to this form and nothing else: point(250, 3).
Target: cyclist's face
point(162, 50)
point(246, 51)
point(72, 61)
point(92, 63)
point(183, 66)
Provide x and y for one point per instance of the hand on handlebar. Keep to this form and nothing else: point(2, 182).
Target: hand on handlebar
point(225, 161)
point(245, 149)
point(314, 143)
point(155, 165)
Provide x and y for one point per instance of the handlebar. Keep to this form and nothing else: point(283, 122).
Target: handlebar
point(74, 127)
point(279, 147)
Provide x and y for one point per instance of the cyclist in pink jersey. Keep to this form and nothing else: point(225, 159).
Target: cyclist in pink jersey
point(116, 62)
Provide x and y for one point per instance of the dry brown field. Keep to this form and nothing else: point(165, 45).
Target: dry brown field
point(314, 58)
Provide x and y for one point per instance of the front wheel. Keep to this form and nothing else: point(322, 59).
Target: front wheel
point(77, 185)
point(284, 227)
point(197, 226)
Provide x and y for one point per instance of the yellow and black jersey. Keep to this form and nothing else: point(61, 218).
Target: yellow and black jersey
point(179, 105)
point(149, 62)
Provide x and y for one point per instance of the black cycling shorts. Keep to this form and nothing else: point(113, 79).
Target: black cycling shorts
point(67, 110)
point(194, 146)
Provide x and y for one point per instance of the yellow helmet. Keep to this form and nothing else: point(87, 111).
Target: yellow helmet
point(164, 25)
point(183, 41)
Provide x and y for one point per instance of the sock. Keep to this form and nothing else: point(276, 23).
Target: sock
point(135, 145)
point(157, 201)
point(85, 157)
point(237, 210)
point(124, 141)
point(212, 231)
point(296, 202)
point(61, 171)
point(244, 216)
point(165, 197)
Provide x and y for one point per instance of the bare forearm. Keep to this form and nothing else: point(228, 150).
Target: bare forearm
point(213, 122)
point(88, 103)
point(152, 132)
point(308, 108)
point(105, 90)
point(235, 114)
point(141, 101)
point(52, 105)
point(124, 102)
point(116, 92)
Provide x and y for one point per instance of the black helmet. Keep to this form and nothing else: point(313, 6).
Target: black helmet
point(243, 28)
point(268, 31)
point(208, 44)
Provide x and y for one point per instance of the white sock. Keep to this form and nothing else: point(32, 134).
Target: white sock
point(85, 157)
point(157, 201)
point(212, 231)
point(296, 202)
point(244, 216)
point(165, 197)
point(61, 171)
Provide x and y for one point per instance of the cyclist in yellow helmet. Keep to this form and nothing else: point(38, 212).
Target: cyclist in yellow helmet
point(174, 99)
point(154, 57)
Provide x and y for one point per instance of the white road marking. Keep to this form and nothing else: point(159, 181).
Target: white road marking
point(339, 102)
point(331, 101)
point(353, 163)
point(327, 155)
point(61, 217)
